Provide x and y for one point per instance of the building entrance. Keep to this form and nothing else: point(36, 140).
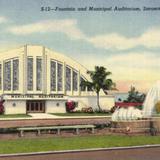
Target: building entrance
point(36, 106)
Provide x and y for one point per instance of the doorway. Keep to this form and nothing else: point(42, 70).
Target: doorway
point(35, 106)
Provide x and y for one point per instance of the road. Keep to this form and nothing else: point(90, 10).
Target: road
point(127, 154)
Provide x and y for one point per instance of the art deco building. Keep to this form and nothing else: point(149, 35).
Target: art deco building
point(36, 79)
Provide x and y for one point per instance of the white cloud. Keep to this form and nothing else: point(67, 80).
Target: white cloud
point(67, 26)
point(134, 60)
point(138, 69)
point(136, 66)
point(150, 38)
point(3, 19)
point(114, 41)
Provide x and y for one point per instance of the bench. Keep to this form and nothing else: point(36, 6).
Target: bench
point(58, 128)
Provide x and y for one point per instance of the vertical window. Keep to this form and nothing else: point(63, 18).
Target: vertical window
point(59, 76)
point(82, 87)
point(7, 76)
point(53, 76)
point(30, 74)
point(75, 81)
point(15, 74)
point(0, 76)
point(39, 74)
point(68, 79)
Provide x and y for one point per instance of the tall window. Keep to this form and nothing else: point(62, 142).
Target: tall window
point(82, 87)
point(68, 79)
point(53, 75)
point(39, 74)
point(7, 76)
point(59, 76)
point(0, 76)
point(75, 81)
point(30, 74)
point(15, 74)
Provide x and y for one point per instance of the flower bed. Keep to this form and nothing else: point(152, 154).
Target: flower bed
point(124, 104)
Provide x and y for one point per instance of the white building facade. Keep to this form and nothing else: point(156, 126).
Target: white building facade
point(36, 79)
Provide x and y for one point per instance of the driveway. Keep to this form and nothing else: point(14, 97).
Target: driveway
point(127, 154)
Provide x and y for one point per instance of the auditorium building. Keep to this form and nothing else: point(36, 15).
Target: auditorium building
point(35, 79)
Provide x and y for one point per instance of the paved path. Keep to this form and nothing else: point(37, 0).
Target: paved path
point(42, 116)
point(128, 154)
point(48, 122)
point(50, 116)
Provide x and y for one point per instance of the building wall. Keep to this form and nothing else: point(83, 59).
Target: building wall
point(30, 51)
point(46, 55)
point(55, 106)
point(85, 98)
point(15, 107)
point(106, 102)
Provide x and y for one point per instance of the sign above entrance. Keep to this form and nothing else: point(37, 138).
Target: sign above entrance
point(32, 96)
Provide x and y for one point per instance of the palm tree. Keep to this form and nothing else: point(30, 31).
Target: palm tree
point(99, 81)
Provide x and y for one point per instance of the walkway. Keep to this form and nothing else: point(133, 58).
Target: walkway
point(42, 116)
point(51, 116)
point(11, 123)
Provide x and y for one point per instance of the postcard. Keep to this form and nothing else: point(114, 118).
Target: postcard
point(79, 79)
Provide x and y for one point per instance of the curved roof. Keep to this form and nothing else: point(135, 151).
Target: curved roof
point(38, 50)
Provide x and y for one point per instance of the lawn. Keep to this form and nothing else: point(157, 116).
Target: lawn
point(81, 114)
point(69, 143)
point(14, 116)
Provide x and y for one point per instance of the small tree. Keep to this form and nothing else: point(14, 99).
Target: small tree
point(135, 96)
point(99, 81)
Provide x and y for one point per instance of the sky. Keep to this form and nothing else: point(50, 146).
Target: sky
point(127, 43)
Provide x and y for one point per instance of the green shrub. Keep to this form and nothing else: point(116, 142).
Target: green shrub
point(134, 96)
point(140, 107)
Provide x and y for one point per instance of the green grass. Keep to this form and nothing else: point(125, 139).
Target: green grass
point(81, 114)
point(14, 116)
point(69, 143)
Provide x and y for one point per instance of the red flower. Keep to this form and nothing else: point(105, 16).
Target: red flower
point(70, 106)
point(1, 107)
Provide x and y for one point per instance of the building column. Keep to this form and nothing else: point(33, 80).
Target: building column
point(56, 77)
point(48, 74)
point(44, 72)
point(71, 81)
point(34, 75)
point(2, 76)
point(24, 64)
point(12, 76)
point(79, 82)
point(64, 78)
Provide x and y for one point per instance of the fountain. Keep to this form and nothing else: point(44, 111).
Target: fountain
point(125, 114)
point(138, 120)
point(130, 118)
point(152, 98)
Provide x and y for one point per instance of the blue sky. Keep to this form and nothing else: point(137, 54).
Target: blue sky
point(125, 42)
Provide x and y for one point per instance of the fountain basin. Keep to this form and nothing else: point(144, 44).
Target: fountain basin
point(134, 126)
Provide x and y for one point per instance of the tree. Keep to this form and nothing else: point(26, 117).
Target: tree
point(135, 96)
point(99, 81)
